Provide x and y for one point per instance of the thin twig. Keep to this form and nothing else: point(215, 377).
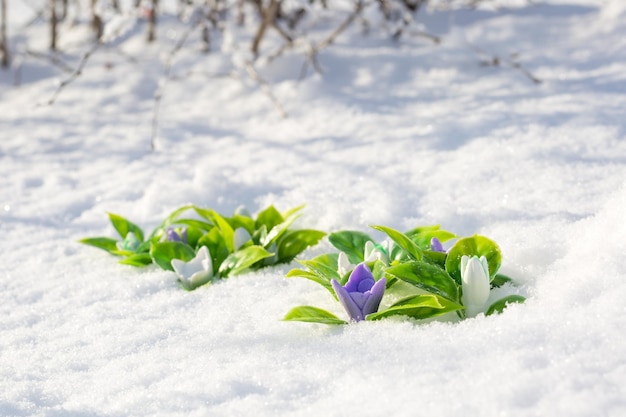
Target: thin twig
point(167, 67)
point(252, 72)
point(360, 5)
point(268, 17)
point(187, 74)
point(497, 61)
point(52, 59)
point(330, 39)
point(77, 72)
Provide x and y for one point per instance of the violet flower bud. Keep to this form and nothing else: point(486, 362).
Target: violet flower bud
point(436, 246)
point(362, 294)
point(174, 236)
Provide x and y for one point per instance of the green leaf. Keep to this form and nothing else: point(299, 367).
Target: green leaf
point(237, 221)
point(124, 226)
point(311, 314)
point(294, 242)
point(138, 260)
point(162, 253)
point(502, 303)
point(224, 227)
point(436, 258)
point(427, 277)
point(170, 219)
point(277, 231)
point(300, 273)
point(269, 218)
point(241, 260)
point(378, 269)
point(422, 235)
point(499, 280)
point(473, 246)
point(322, 269)
point(402, 240)
point(287, 214)
point(104, 243)
point(352, 243)
point(418, 307)
point(216, 244)
point(327, 259)
point(196, 224)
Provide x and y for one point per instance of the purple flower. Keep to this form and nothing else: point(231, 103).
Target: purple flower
point(174, 236)
point(362, 294)
point(436, 246)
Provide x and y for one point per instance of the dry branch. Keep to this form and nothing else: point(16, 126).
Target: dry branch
point(167, 67)
point(4, 43)
point(77, 72)
point(253, 73)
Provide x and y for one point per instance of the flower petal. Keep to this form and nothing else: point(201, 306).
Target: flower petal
point(197, 270)
point(346, 301)
point(343, 264)
point(376, 295)
point(435, 245)
point(475, 285)
point(361, 279)
point(172, 236)
point(242, 236)
point(359, 298)
point(485, 265)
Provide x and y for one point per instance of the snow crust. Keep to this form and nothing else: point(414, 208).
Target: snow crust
point(401, 134)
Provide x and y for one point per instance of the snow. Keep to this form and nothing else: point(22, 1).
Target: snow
point(401, 134)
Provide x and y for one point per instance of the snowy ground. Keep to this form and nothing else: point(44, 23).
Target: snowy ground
point(396, 134)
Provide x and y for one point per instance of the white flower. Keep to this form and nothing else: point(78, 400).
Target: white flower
point(373, 252)
point(130, 243)
point(241, 237)
point(242, 211)
point(197, 271)
point(343, 264)
point(475, 283)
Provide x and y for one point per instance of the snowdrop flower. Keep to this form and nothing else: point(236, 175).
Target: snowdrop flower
point(271, 260)
point(362, 294)
point(475, 283)
point(174, 236)
point(373, 252)
point(436, 246)
point(343, 264)
point(241, 237)
point(242, 211)
point(130, 243)
point(197, 271)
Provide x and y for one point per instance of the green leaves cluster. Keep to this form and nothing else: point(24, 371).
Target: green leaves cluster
point(270, 239)
point(421, 283)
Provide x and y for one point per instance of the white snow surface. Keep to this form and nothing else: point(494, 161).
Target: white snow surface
point(401, 134)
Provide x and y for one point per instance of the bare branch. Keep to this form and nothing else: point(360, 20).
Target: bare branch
point(52, 59)
point(4, 43)
point(358, 8)
point(53, 24)
point(268, 17)
point(167, 67)
point(252, 72)
point(77, 72)
point(497, 61)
